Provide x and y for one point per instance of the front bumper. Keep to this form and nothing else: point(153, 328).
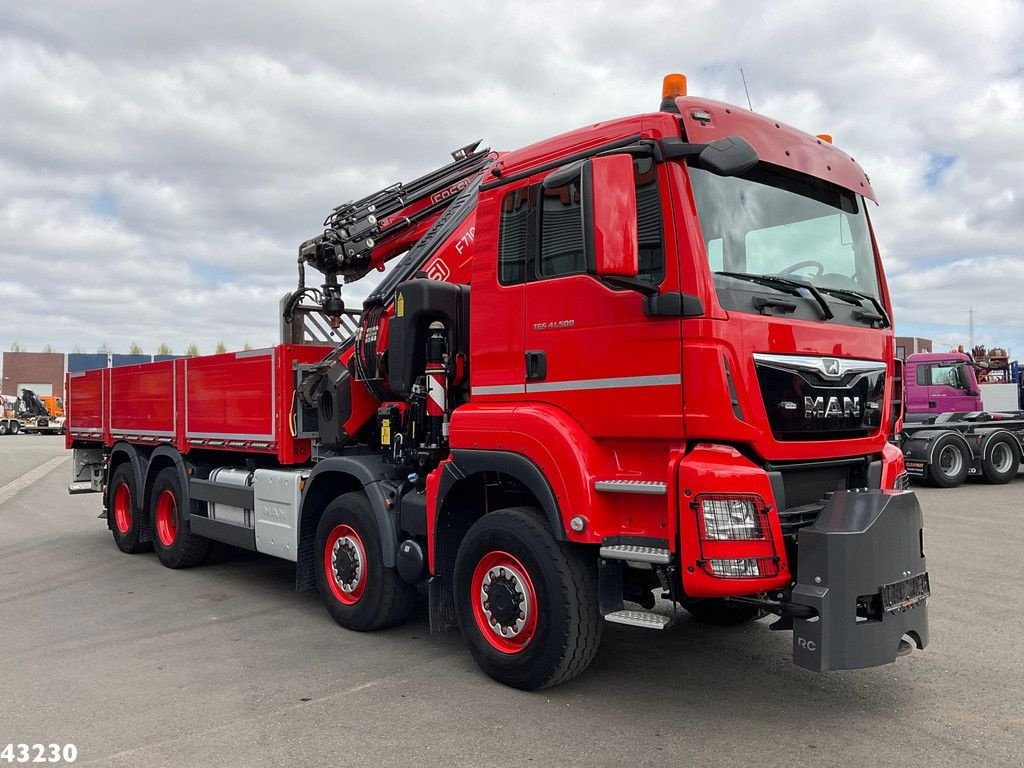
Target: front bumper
point(862, 542)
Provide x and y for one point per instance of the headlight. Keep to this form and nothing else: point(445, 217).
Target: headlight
point(731, 519)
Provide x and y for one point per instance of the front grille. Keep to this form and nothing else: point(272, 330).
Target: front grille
point(804, 404)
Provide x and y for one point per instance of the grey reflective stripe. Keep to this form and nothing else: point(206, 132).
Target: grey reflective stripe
point(500, 389)
point(662, 380)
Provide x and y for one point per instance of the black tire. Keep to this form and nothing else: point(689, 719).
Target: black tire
point(3, 428)
point(560, 636)
point(374, 597)
point(949, 464)
point(722, 613)
point(174, 542)
point(15, 427)
point(123, 512)
point(1001, 460)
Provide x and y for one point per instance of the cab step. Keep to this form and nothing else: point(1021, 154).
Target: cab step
point(636, 553)
point(645, 619)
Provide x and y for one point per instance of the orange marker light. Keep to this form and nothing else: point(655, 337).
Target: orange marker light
point(826, 137)
point(673, 85)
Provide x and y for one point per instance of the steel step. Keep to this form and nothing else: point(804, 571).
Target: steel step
point(636, 554)
point(644, 619)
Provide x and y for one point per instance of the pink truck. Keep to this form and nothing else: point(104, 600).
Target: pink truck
point(947, 436)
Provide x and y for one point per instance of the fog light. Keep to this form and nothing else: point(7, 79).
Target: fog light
point(736, 568)
point(743, 567)
point(731, 519)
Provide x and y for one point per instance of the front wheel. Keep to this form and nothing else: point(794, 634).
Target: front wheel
point(526, 604)
point(357, 590)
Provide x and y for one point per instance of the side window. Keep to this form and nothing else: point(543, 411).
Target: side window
point(648, 219)
point(513, 236)
point(562, 250)
point(923, 377)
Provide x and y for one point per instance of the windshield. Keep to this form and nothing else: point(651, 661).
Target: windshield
point(772, 222)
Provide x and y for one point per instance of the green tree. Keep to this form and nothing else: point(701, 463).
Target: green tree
point(193, 350)
point(48, 349)
point(221, 349)
point(164, 349)
point(135, 349)
point(16, 347)
point(247, 346)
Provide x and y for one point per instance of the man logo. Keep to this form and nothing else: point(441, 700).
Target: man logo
point(832, 407)
point(438, 271)
point(831, 366)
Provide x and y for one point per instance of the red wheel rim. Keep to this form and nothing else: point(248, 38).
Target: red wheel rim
point(166, 518)
point(504, 602)
point(345, 564)
point(123, 507)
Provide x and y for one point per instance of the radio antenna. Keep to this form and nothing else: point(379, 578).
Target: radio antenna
point(744, 78)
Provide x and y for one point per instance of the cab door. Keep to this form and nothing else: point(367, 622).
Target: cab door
point(591, 350)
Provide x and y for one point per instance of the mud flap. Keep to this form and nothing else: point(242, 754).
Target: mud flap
point(861, 567)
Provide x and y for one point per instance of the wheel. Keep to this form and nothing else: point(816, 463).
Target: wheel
point(125, 524)
point(3, 428)
point(1002, 462)
point(357, 590)
point(174, 542)
point(948, 468)
point(15, 427)
point(722, 613)
point(526, 604)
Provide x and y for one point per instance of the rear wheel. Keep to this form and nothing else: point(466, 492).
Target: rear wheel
point(3, 427)
point(1002, 461)
point(948, 467)
point(722, 613)
point(526, 604)
point(15, 427)
point(174, 542)
point(125, 522)
point(357, 590)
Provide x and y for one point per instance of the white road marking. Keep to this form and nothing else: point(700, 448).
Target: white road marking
point(23, 482)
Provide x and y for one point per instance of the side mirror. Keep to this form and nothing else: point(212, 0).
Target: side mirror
point(609, 188)
point(730, 156)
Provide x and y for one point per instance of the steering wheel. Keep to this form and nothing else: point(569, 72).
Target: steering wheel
point(803, 265)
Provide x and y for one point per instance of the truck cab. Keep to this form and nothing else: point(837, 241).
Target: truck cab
point(940, 382)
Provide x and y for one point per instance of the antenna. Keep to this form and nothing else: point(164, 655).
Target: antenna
point(744, 79)
point(970, 314)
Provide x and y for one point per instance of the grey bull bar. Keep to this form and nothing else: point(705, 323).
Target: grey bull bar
point(861, 568)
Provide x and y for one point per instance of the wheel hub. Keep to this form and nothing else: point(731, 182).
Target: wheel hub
point(505, 601)
point(347, 564)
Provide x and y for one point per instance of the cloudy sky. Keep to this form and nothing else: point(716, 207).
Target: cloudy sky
point(160, 162)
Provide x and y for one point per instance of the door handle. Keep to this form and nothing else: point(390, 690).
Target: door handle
point(932, 404)
point(536, 365)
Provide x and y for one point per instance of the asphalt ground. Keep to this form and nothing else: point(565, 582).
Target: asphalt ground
point(225, 665)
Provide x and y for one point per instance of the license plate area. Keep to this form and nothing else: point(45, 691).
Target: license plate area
point(900, 595)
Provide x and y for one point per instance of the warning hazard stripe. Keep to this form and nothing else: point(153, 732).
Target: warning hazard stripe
point(435, 396)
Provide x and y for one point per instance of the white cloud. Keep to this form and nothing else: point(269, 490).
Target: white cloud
point(159, 163)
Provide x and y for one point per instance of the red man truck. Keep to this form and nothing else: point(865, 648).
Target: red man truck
point(649, 358)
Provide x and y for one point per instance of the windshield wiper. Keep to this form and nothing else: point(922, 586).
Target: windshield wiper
point(882, 316)
point(774, 281)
